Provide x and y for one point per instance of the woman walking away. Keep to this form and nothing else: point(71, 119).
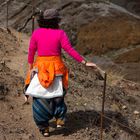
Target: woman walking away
point(52, 74)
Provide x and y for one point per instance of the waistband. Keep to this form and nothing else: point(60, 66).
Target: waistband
point(48, 58)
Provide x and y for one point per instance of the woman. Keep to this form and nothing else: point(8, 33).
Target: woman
point(48, 40)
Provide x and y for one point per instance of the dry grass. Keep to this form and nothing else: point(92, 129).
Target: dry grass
point(125, 136)
point(114, 77)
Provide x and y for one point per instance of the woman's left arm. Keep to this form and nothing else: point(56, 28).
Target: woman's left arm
point(66, 45)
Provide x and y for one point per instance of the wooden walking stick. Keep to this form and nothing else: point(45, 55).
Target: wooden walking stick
point(7, 14)
point(103, 105)
point(102, 76)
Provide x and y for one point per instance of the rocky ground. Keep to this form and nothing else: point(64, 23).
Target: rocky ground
point(94, 26)
point(132, 6)
point(83, 99)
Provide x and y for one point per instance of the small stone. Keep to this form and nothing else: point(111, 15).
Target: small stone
point(2, 63)
point(136, 112)
point(85, 104)
point(87, 128)
point(124, 107)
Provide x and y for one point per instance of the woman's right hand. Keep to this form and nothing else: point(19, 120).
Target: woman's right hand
point(26, 98)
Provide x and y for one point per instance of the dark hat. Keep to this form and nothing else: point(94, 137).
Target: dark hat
point(51, 13)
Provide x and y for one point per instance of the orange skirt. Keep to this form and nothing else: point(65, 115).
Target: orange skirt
point(49, 67)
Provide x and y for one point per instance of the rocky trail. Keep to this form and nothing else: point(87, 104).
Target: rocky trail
point(105, 33)
point(83, 99)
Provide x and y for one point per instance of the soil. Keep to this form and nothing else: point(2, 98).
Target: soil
point(84, 100)
point(84, 97)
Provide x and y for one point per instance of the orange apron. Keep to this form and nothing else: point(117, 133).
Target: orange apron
point(49, 67)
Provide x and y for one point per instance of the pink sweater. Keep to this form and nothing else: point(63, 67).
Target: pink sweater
point(48, 42)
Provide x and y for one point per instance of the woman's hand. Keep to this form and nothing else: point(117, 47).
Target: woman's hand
point(99, 72)
point(90, 64)
point(26, 98)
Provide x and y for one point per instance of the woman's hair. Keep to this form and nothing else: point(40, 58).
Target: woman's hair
point(48, 23)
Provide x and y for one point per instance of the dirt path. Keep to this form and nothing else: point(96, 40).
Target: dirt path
point(19, 61)
point(83, 100)
point(20, 120)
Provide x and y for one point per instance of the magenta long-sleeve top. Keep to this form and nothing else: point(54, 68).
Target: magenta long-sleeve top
point(48, 42)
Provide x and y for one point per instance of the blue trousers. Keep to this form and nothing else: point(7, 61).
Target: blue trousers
point(45, 109)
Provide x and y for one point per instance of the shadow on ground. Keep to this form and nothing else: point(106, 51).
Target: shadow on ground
point(91, 119)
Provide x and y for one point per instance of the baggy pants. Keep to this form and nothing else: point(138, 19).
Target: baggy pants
point(45, 109)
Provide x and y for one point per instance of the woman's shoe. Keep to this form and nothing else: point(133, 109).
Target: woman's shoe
point(45, 132)
point(59, 123)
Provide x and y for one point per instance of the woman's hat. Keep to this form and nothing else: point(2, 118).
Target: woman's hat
point(51, 13)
